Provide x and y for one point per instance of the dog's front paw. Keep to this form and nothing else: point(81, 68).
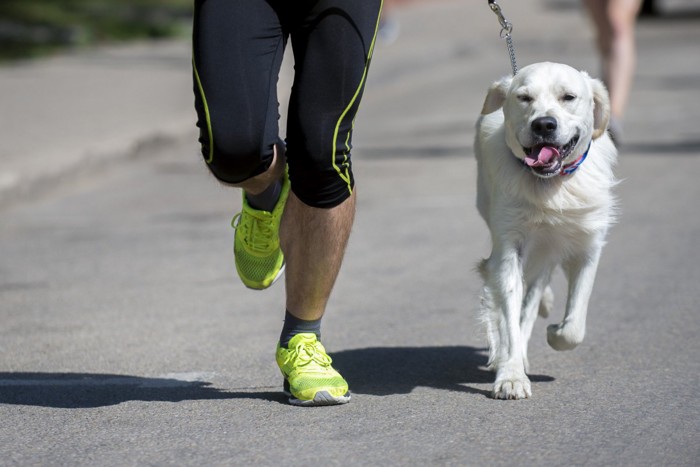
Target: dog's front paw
point(512, 386)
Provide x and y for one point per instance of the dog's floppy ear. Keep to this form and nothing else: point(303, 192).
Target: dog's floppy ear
point(496, 95)
point(601, 108)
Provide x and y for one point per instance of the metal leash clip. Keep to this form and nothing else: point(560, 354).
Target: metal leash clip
point(506, 30)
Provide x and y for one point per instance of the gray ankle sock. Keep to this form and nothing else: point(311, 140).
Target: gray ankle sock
point(293, 326)
point(267, 200)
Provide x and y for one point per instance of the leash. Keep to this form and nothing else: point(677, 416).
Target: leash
point(506, 30)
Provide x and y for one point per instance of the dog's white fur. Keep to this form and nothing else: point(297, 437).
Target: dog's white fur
point(538, 223)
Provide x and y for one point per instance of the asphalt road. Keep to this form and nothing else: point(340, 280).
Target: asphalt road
point(126, 339)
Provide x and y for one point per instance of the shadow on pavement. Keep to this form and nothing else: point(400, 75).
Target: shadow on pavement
point(384, 371)
point(379, 371)
point(84, 390)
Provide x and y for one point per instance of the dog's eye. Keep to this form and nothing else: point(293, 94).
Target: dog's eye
point(568, 97)
point(524, 98)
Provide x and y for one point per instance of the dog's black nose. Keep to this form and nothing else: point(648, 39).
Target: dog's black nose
point(544, 126)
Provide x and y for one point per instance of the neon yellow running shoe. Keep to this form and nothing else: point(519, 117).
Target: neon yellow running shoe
point(309, 378)
point(256, 246)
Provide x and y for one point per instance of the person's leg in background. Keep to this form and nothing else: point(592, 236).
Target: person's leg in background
point(615, 35)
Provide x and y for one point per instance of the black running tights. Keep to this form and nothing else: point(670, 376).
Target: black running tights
point(237, 54)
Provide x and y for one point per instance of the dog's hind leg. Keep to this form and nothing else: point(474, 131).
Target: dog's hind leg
point(547, 302)
point(580, 272)
point(537, 274)
point(490, 317)
point(491, 320)
point(537, 279)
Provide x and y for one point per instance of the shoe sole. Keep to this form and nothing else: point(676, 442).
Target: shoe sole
point(322, 398)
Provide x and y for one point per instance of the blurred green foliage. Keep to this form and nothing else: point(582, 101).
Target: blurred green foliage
point(36, 27)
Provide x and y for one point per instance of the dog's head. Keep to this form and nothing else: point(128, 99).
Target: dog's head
point(552, 112)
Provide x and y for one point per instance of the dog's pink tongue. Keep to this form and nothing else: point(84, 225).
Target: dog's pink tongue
point(544, 157)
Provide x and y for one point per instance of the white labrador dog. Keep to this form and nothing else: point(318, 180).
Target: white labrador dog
point(544, 185)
